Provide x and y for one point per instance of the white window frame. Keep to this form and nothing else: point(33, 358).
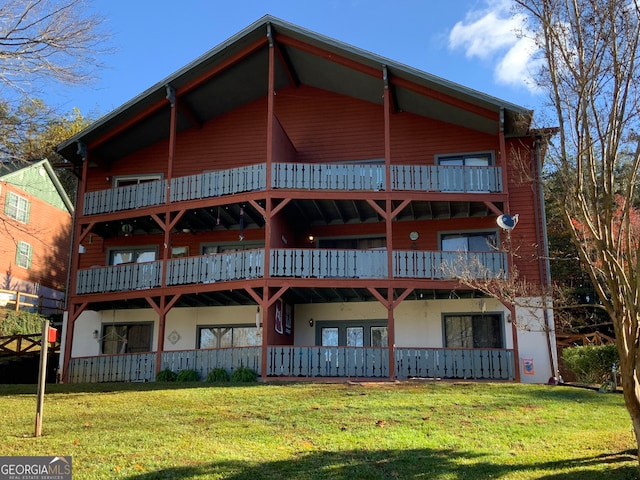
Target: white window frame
point(135, 179)
point(465, 158)
point(17, 207)
point(138, 248)
point(221, 332)
point(24, 254)
point(471, 233)
point(498, 317)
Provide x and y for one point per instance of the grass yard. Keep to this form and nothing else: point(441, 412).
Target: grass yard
point(428, 430)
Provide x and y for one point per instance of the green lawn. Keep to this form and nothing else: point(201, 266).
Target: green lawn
point(427, 430)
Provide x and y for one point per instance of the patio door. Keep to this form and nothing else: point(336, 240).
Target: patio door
point(370, 333)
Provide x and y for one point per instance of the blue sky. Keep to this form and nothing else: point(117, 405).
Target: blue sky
point(470, 42)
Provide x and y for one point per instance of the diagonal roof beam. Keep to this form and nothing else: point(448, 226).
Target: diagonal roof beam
point(289, 69)
point(245, 52)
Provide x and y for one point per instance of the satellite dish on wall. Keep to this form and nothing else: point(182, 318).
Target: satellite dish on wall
point(507, 222)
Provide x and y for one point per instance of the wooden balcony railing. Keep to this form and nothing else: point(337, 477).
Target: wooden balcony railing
point(447, 265)
point(220, 182)
point(305, 176)
point(449, 178)
point(328, 263)
point(219, 267)
point(303, 362)
point(293, 263)
point(329, 176)
point(125, 198)
point(119, 278)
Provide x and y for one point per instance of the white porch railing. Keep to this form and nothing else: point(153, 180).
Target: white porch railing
point(118, 278)
point(205, 360)
point(465, 363)
point(449, 178)
point(328, 263)
point(292, 361)
point(306, 176)
point(304, 362)
point(134, 367)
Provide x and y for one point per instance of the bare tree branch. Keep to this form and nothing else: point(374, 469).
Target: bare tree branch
point(48, 40)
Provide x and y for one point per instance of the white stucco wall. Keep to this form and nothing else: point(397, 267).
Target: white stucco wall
point(534, 341)
point(417, 324)
point(182, 321)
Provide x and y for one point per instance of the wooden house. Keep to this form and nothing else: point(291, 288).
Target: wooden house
point(303, 208)
point(36, 216)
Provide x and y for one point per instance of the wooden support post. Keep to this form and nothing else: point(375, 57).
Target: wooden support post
point(42, 376)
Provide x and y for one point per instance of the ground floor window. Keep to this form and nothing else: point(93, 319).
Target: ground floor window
point(229, 336)
point(474, 331)
point(352, 334)
point(127, 338)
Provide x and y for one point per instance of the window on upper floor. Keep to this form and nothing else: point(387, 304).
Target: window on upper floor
point(362, 243)
point(122, 255)
point(483, 159)
point(23, 254)
point(128, 180)
point(17, 207)
point(473, 331)
point(469, 242)
point(211, 248)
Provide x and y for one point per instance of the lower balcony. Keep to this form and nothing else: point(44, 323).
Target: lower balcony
point(292, 263)
point(304, 362)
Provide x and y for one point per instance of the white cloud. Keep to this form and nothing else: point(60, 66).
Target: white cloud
point(492, 33)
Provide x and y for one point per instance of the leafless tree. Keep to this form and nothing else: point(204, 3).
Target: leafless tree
point(589, 49)
point(45, 40)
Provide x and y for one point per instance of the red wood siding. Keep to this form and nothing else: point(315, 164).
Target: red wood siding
point(48, 232)
point(522, 201)
point(417, 140)
point(325, 127)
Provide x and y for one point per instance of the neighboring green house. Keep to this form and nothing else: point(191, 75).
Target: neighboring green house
point(34, 238)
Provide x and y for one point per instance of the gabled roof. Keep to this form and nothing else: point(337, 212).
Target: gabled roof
point(37, 179)
point(236, 72)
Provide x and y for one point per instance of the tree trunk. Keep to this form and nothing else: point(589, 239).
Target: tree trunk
point(631, 388)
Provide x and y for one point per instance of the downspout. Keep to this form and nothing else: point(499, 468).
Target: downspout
point(74, 260)
point(65, 306)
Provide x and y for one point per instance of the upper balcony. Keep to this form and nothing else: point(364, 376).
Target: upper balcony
point(367, 177)
point(292, 263)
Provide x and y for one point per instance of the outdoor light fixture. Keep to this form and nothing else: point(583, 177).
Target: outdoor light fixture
point(311, 322)
point(95, 334)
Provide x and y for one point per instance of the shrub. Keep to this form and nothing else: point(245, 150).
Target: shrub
point(591, 363)
point(166, 375)
point(243, 374)
point(20, 323)
point(188, 376)
point(218, 375)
